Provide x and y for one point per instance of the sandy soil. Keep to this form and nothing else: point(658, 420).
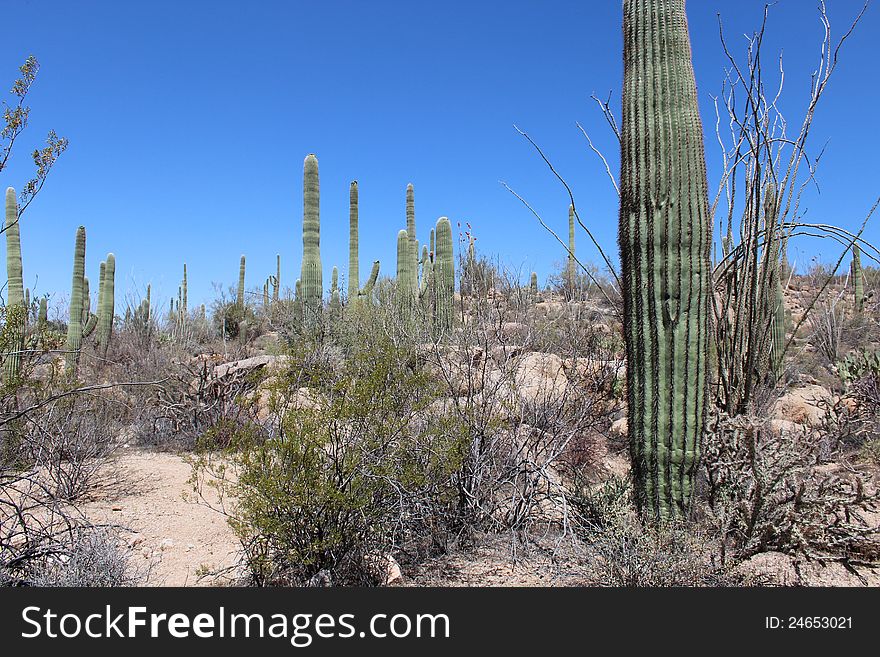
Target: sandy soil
point(171, 535)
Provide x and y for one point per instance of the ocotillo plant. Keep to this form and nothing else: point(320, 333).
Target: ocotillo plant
point(570, 272)
point(106, 303)
point(778, 329)
point(444, 278)
point(413, 266)
point(312, 278)
point(74, 326)
point(240, 296)
point(353, 259)
point(15, 284)
point(858, 284)
point(664, 236)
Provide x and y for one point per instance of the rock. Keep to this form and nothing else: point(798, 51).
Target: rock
point(540, 377)
point(805, 405)
point(620, 428)
point(774, 568)
point(384, 568)
point(166, 544)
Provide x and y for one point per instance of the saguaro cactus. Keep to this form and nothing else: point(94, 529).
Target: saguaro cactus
point(240, 296)
point(858, 284)
point(75, 326)
point(444, 277)
point(533, 285)
point(353, 261)
point(15, 292)
point(335, 302)
point(106, 303)
point(43, 315)
point(413, 242)
point(276, 282)
point(366, 292)
point(405, 273)
point(665, 236)
point(312, 278)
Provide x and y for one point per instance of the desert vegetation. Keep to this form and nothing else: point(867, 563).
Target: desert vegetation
point(703, 414)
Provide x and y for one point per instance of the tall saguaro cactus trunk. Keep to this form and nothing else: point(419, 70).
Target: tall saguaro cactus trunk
point(311, 278)
point(353, 261)
point(17, 311)
point(858, 284)
point(443, 278)
point(75, 325)
point(106, 303)
point(665, 235)
point(413, 265)
point(239, 299)
point(570, 264)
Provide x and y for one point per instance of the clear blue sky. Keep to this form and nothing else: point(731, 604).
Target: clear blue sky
point(189, 121)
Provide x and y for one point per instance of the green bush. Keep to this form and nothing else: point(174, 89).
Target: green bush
point(359, 469)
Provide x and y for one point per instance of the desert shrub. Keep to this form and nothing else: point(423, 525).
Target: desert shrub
point(765, 492)
point(228, 317)
point(360, 469)
point(619, 550)
point(93, 559)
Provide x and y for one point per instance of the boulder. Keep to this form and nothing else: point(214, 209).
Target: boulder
point(540, 377)
point(804, 405)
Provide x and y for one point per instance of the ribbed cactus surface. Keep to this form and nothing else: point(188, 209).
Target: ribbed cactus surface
point(241, 271)
point(15, 288)
point(533, 284)
point(75, 325)
point(664, 236)
point(858, 281)
point(405, 273)
point(444, 277)
point(413, 265)
point(353, 258)
point(106, 304)
point(570, 271)
point(311, 277)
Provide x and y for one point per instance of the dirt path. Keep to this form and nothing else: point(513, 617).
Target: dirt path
point(169, 534)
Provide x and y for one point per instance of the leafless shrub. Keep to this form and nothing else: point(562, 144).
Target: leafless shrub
point(93, 559)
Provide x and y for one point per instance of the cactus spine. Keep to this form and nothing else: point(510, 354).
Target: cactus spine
point(17, 317)
point(106, 303)
point(664, 236)
point(240, 296)
point(75, 326)
point(858, 285)
point(353, 262)
point(311, 277)
point(444, 277)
